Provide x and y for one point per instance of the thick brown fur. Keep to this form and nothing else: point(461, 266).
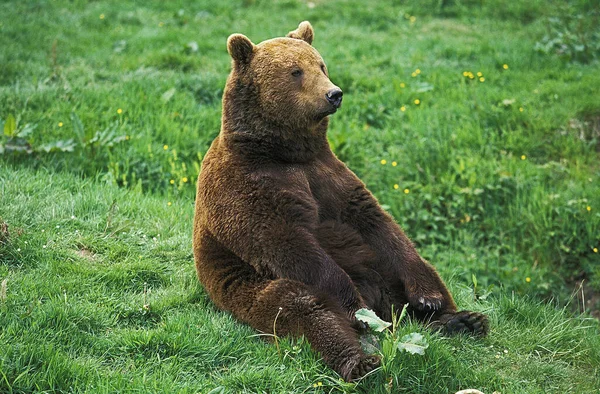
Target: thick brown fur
point(285, 232)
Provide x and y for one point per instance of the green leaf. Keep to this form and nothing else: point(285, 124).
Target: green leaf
point(10, 126)
point(413, 343)
point(369, 317)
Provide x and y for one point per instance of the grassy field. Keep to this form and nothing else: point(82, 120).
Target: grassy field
point(476, 124)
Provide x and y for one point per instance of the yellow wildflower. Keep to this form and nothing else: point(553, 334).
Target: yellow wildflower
point(60, 124)
point(402, 85)
point(523, 157)
point(481, 79)
point(165, 147)
point(184, 179)
point(119, 111)
point(396, 186)
point(479, 74)
point(588, 208)
point(528, 279)
point(505, 66)
point(161, 24)
point(172, 181)
point(417, 71)
point(521, 109)
point(394, 164)
point(383, 161)
point(414, 74)
point(403, 108)
point(417, 102)
point(406, 191)
point(169, 203)
point(413, 19)
point(595, 250)
point(101, 16)
point(465, 73)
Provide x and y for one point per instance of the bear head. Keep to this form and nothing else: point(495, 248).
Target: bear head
point(282, 81)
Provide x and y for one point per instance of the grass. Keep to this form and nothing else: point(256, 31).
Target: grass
point(497, 181)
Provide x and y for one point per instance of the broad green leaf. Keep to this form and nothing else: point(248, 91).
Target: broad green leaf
point(369, 317)
point(10, 126)
point(413, 343)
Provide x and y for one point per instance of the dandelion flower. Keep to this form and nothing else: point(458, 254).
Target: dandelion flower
point(101, 16)
point(479, 74)
point(588, 208)
point(119, 111)
point(383, 162)
point(523, 157)
point(528, 279)
point(413, 19)
point(465, 73)
point(418, 71)
point(417, 102)
point(406, 191)
point(396, 186)
point(169, 203)
point(127, 137)
point(505, 66)
point(172, 181)
point(414, 74)
point(403, 108)
point(402, 85)
point(595, 250)
point(481, 79)
point(60, 124)
point(394, 164)
point(165, 147)
point(521, 109)
point(184, 179)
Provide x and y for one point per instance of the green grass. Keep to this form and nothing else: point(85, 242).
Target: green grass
point(84, 258)
point(114, 104)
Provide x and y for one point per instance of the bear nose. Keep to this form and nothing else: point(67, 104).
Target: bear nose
point(334, 96)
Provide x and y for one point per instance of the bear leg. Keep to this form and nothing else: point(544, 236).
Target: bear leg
point(285, 307)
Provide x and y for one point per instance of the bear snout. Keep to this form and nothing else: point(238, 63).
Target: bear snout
point(334, 96)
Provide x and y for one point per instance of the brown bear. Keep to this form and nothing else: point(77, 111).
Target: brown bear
point(286, 237)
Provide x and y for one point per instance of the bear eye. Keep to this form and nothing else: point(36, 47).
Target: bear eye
point(296, 73)
point(323, 69)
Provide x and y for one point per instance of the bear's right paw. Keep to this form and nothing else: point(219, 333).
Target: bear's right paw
point(356, 368)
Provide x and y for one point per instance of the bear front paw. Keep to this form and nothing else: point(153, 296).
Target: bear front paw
point(466, 322)
point(427, 303)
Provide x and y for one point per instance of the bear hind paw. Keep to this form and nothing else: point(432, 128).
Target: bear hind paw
point(465, 322)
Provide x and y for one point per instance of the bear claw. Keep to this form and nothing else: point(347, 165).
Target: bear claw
point(428, 304)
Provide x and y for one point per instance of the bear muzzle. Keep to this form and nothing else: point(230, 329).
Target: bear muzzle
point(334, 97)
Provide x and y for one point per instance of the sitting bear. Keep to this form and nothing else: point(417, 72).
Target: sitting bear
point(286, 237)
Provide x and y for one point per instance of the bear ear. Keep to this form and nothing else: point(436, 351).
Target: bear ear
point(240, 48)
point(303, 32)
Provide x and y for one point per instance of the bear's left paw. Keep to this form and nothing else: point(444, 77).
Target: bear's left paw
point(427, 303)
point(467, 322)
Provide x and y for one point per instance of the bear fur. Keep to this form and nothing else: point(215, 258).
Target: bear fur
point(286, 237)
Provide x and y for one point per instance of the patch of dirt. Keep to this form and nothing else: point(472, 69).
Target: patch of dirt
point(86, 254)
point(586, 128)
point(4, 234)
